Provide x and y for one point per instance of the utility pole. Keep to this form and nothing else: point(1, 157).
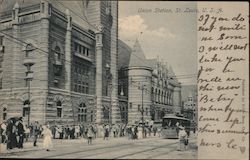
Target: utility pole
point(142, 112)
point(28, 62)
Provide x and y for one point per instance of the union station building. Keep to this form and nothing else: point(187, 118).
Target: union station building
point(62, 62)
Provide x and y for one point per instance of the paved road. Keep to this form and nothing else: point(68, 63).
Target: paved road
point(120, 148)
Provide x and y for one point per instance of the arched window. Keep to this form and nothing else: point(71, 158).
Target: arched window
point(59, 109)
point(82, 113)
point(57, 53)
point(4, 113)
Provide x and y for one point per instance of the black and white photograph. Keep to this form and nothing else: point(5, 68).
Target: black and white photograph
point(82, 79)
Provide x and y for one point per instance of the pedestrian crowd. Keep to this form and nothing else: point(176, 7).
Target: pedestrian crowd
point(14, 132)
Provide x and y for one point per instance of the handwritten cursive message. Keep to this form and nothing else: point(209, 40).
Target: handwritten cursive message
point(223, 59)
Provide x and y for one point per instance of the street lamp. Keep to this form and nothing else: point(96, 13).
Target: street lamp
point(28, 62)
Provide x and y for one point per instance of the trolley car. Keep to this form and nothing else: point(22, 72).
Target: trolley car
point(170, 126)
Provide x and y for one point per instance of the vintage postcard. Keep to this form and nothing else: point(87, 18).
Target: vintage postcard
point(89, 79)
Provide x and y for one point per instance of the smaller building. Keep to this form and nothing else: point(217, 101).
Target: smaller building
point(149, 86)
point(190, 108)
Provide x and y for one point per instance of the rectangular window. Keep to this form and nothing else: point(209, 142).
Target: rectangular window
point(59, 112)
point(42, 10)
point(87, 50)
point(1, 83)
point(87, 90)
point(130, 105)
point(83, 89)
point(83, 50)
point(1, 40)
point(91, 117)
point(80, 49)
point(76, 46)
point(75, 88)
point(49, 12)
point(85, 118)
point(79, 88)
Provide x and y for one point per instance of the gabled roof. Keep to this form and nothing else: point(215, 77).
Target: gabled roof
point(124, 52)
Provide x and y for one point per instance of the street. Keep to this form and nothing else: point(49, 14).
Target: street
point(114, 148)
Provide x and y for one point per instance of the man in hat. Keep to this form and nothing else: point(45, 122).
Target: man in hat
point(11, 134)
point(20, 132)
point(36, 130)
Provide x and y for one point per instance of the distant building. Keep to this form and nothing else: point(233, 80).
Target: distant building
point(190, 109)
point(150, 88)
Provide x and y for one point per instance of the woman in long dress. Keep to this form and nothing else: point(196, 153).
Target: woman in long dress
point(47, 141)
point(140, 132)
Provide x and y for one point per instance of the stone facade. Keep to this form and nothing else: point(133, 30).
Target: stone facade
point(150, 86)
point(74, 55)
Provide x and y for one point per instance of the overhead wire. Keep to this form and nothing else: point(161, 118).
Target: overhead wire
point(180, 76)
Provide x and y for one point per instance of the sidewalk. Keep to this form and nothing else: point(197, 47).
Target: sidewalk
point(28, 146)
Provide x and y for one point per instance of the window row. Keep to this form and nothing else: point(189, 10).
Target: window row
point(162, 97)
point(81, 88)
point(82, 50)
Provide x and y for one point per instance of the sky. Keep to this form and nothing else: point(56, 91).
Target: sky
point(172, 36)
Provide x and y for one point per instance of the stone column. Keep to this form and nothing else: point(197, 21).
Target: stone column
point(68, 51)
point(99, 74)
point(15, 47)
point(115, 111)
point(44, 45)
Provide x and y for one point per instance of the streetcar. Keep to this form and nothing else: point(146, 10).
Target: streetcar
point(170, 126)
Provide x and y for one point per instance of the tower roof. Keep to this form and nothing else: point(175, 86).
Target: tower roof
point(137, 58)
